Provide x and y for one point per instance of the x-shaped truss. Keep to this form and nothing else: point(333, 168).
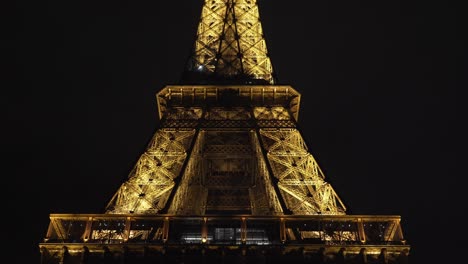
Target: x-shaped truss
point(230, 41)
point(299, 177)
point(150, 182)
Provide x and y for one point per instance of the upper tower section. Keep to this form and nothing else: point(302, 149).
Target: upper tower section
point(230, 47)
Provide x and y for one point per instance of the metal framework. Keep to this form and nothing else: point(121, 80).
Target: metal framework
point(246, 157)
point(228, 177)
point(300, 179)
point(153, 177)
point(224, 239)
point(230, 44)
point(330, 230)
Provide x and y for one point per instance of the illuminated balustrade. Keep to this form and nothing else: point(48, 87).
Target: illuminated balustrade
point(226, 230)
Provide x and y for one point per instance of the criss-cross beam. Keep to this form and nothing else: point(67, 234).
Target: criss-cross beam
point(300, 179)
point(153, 177)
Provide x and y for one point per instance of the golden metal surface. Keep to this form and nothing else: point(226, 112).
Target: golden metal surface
point(233, 165)
point(150, 182)
point(230, 43)
point(226, 170)
point(121, 227)
point(299, 177)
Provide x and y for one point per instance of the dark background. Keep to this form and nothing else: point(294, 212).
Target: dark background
point(379, 109)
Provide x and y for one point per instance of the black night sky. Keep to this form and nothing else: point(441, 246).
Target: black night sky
point(378, 79)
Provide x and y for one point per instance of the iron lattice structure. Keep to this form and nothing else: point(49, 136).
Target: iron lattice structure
point(230, 45)
point(247, 157)
point(228, 176)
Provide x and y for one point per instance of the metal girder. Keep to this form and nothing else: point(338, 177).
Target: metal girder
point(263, 192)
point(149, 183)
point(271, 113)
point(207, 96)
point(131, 228)
point(299, 177)
point(184, 113)
point(190, 196)
point(223, 113)
point(284, 141)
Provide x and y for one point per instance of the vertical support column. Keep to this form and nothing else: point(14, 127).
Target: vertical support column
point(84, 255)
point(362, 257)
point(128, 223)
point(182, 171)
point(263, 95)
point(204, 231)
point(165, 231)
point(273, 179)
point(400, 233)
point(87, 232)
point(64, 255)
point(361, 233)
point(243, 230)
point(383, 257)
point(49, 232)
point(282, 230)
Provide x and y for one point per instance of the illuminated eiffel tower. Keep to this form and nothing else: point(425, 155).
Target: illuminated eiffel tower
point(227, 177)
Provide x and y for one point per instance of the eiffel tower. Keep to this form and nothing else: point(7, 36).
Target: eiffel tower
point(227, 177)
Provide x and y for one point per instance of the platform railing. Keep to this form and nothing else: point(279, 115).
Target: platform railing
point(225, 230)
